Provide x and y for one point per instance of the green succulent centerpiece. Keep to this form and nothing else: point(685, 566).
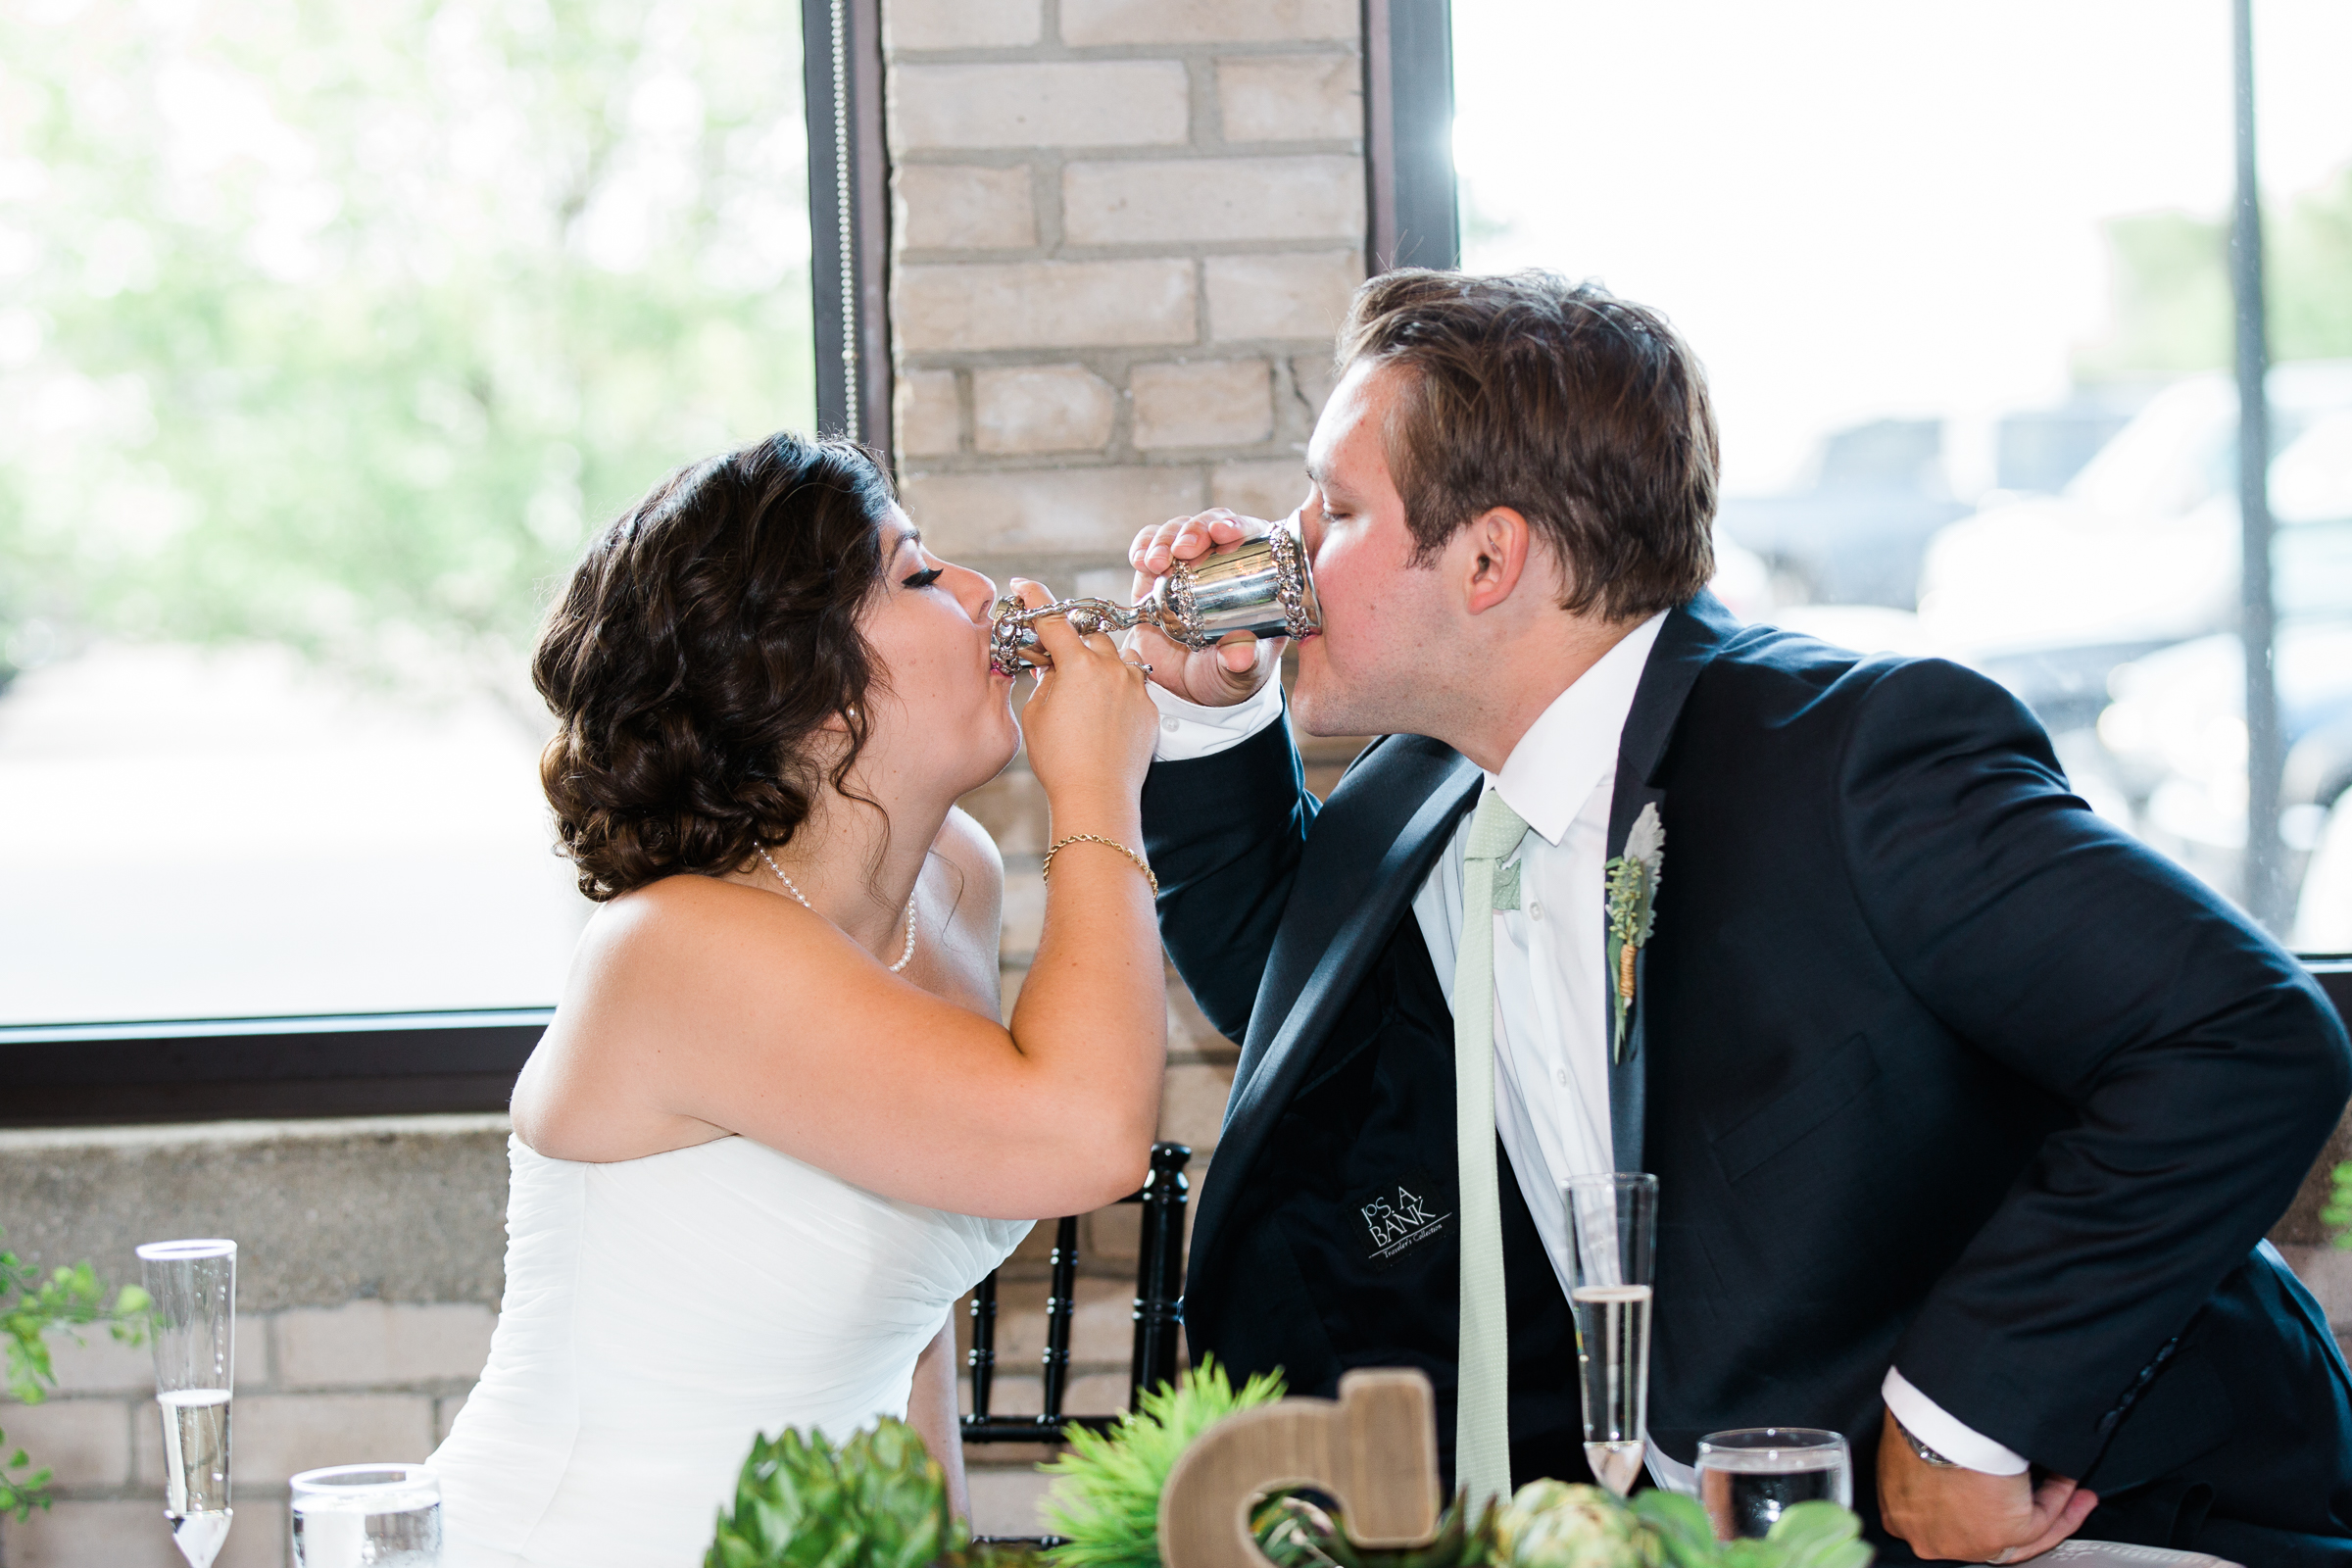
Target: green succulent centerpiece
point(879, 1500)
point(1556, 1524)
point(1105, 1498)
point(1296, 1531)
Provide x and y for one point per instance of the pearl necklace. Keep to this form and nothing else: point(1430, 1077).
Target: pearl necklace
point(812, 909)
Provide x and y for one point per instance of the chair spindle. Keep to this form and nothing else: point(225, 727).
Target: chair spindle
point(1061, 1305)
point(1159, 1272)
point(983, 1357)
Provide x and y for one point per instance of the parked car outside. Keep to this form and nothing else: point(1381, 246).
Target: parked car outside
point(2324, 914)
point(2175, 740)
point(1858, 529)
point(2141, 548)
point(1855, 534)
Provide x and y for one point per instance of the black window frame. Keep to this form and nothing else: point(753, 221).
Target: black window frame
point(1412, 203)
point(849, 217)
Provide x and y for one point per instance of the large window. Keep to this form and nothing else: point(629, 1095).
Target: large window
point(1958, 276)
point(327, 332)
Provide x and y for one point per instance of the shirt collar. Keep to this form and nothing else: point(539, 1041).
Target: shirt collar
point(1573, 744)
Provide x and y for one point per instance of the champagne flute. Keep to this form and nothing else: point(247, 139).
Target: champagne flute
point(368, 1516)
point(194, 1284)
point(1748, 1478)
point(1613, 1225)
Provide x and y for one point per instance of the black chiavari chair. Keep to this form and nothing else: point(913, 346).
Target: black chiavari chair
point(1159, 1285)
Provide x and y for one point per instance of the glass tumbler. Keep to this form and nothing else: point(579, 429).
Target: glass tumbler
point(368, 1516)
point(1748, 1478)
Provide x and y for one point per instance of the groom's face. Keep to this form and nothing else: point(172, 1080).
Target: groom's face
point(1384, 617)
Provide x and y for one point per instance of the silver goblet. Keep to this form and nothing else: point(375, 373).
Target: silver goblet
point(1260, 586)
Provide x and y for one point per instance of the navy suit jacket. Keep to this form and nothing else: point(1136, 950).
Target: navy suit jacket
point(1935, 1067)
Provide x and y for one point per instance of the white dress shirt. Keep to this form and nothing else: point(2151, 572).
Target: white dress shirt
point(1551, 1008)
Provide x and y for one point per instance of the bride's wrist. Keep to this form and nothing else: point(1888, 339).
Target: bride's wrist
point(1093, 808)
point(1103, 844)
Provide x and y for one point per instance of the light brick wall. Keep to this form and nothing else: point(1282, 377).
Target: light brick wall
point(1122, 235)
point(1123, 232)
point(369, 1265)
point(364, 1381)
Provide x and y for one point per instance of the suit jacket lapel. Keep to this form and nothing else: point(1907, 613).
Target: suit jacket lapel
point(1690, 636)
point(1372, 848)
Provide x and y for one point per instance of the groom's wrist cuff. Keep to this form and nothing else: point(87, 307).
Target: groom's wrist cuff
point(1944, 1432)
point(1189, 731)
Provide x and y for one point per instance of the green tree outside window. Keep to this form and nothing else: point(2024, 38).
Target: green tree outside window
point(339, 325)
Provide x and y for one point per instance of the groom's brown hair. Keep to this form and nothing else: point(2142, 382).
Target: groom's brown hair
point(1585, 413)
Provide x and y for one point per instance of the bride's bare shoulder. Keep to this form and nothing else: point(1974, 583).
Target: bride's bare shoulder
point(655, 965)
point(679, 918)
point(965, 845)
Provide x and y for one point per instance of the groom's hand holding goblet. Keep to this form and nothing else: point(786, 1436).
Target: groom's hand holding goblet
point(1234, 670)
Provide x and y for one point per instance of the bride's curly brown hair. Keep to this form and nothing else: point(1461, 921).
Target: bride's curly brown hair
point(703, 641)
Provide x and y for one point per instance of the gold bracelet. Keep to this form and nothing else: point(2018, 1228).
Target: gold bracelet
point(1046, 869)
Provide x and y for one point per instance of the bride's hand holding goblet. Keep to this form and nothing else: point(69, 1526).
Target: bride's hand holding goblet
point(1090, 728)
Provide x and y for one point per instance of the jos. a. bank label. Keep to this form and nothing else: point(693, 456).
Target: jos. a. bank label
point(1399, 1218)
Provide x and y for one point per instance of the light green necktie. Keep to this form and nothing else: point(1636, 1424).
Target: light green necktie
point(1481, 1423)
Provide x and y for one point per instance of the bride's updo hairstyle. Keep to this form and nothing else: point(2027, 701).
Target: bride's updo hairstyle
point(703, 641)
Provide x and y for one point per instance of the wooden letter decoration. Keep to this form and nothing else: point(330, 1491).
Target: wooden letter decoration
point(1374, 1452)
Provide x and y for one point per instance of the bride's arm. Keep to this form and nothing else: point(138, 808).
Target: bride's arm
point(931, 1412)
point(727, 1006)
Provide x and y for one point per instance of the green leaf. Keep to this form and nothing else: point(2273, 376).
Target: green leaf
point(1679, 1521)
point(1105, 1496)
point(2336, 1214)
point(1819, 1535)
point(30, 1309)
point(877, 1502)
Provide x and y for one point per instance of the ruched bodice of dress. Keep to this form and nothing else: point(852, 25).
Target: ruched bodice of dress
point(661, 1312)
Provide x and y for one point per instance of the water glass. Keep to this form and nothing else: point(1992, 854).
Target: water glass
point(368, 1516)
point(1613, 1229)
point(194, 1332)
point(1748, 1478)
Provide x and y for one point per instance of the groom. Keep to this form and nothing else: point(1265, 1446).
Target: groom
point(1967, 1114)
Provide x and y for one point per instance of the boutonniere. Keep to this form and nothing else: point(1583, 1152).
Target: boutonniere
point(1631, 880)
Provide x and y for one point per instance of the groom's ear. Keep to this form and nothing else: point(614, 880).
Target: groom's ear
point(1492, 556)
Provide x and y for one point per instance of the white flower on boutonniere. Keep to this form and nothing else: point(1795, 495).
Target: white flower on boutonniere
point(1631, 880)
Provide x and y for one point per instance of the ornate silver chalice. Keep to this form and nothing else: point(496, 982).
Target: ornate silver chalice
point(1260, 586)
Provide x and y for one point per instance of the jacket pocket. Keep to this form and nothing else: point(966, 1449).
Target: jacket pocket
point(1828, 1088)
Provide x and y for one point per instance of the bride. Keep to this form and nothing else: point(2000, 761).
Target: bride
point(775, 1130)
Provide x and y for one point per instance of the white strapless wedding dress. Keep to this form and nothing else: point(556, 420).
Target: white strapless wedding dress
point(658, 1313)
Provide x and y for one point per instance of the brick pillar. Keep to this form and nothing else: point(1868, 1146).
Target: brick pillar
point(1122, 234)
